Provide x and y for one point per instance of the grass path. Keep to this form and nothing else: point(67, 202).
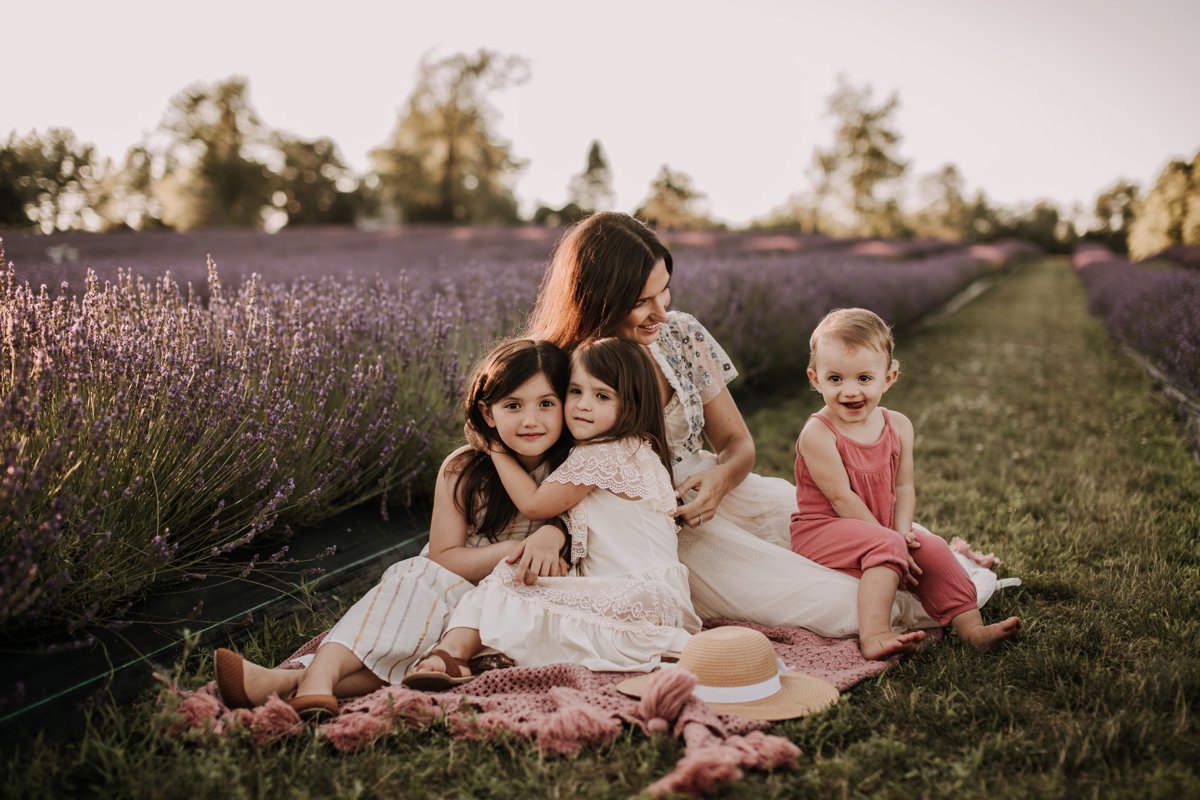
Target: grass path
point(1036, 439)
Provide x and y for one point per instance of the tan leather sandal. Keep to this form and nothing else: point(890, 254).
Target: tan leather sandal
point(314, 707)
point(230, 670)
point(433, 681)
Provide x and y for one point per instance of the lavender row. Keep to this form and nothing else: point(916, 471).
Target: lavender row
point(1149, 308)
point(149, 428)
point(146, 433)
point(762, 308)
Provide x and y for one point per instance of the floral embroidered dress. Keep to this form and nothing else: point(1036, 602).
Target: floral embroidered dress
point(627, 602)
point(740, 562)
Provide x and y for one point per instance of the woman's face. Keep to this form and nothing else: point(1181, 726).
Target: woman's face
point(641, 324)
point(529, 420)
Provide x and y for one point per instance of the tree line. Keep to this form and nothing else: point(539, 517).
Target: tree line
point(212, 161)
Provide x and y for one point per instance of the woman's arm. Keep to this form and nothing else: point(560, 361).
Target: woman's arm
point(818, 447)
point(730, 438)
point(533, 501)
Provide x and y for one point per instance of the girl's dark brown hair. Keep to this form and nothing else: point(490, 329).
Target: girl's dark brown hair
point(478, 491)
point(595, 277)
point(627, 369)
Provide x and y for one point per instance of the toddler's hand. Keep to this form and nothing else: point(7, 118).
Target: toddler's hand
point(913, 569)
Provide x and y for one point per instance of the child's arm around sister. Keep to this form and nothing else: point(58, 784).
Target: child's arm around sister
point(537, 553)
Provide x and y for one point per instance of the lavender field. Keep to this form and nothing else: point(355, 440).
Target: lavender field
point(1150, 308)
point(162, 410)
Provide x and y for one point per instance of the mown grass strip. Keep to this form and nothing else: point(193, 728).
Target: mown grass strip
point(1036, 439)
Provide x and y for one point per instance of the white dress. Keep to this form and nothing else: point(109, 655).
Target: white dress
point(740, 562)
point(627, 602)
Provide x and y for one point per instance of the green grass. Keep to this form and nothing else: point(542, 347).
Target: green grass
point(1035, 439)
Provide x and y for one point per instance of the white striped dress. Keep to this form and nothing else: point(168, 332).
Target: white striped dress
point(405, 614)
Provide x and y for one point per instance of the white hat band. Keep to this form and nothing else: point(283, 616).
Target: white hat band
point(739, 694)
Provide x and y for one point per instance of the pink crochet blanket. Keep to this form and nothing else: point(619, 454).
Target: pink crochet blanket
point(561, 708)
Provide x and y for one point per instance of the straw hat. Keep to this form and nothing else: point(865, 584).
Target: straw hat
point(737, 672)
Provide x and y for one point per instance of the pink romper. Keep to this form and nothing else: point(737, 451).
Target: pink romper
point(853, 545)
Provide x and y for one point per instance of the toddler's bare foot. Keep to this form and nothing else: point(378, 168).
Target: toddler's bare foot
point(880, 647)
point(987, 637)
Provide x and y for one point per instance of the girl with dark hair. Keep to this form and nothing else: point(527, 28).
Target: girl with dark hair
point(610, 276)
point(627, 603)
point(514, 403)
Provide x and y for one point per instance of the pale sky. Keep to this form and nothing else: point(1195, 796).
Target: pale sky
point(1031, 99)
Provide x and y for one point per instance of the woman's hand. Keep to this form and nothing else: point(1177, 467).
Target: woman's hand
point(538, 555)
point(710, 486)
point(730, 439)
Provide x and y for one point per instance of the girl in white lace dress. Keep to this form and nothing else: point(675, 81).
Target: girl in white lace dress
point(627, 602)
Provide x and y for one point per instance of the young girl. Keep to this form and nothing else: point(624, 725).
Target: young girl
point(854, 488)
point(628, 602)
point(518, 389)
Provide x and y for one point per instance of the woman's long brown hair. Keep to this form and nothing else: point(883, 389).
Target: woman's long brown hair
point(595, 277)
point(627, 369)
point(478, 492)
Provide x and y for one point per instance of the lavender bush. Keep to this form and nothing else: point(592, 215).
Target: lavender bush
point(1152, 310)
point(150, 427)
point(763, 307)
point(146, 433)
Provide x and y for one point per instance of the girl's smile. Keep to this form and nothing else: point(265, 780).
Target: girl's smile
point(852, 380)
point(592, 405)
point(529, 420)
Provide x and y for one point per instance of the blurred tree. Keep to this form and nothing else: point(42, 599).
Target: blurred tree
point(1168, 214)
point(592, 189)
point(1113, 212)
point(12, 194)
point(215, 159)
point(1043, 223)
point(863, 160)
point(674, 203)
point(944, 211)
point(443, 162)
point(982, 222)
point(567, 215)
point(314, 185)
point(55, 180)
point(798, 213)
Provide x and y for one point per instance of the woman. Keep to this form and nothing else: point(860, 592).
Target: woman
point(610, 276)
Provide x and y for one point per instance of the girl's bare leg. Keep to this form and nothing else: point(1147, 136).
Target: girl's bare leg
point(262, 682)
point(331, 668)
point(876, 639)
point(969, 626)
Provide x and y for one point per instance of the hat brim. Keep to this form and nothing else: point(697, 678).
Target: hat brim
point(801, 695)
